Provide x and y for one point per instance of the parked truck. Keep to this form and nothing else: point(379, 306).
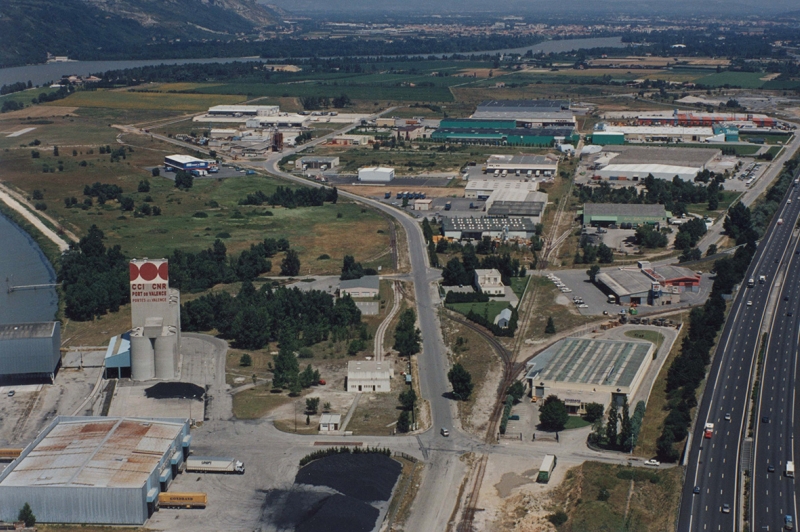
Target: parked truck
point(200, 464)
point(387, 195)
point(182, 500)
point(447, 206)
point(790, 469)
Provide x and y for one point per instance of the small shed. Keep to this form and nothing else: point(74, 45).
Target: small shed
point(367, 286)
point(330, 422)
point(502, 319)
point(375, 174)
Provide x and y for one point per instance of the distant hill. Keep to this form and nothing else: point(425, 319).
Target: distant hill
point(98, 29)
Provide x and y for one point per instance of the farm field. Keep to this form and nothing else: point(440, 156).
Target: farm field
point(128, 99)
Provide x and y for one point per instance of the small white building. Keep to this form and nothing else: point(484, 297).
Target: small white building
point(367, 286)
point(330, 422)
point(375, 174)
point(502, 319)
point(422, 205)
point(369, 376)
point(489, 282)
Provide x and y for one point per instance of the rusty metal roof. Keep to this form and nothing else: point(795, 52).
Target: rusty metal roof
point(112, 452)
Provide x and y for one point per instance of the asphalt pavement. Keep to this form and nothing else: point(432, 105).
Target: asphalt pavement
point(713, 465)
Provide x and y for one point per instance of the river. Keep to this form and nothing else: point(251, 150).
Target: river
point(40, 74)
point(22, 262)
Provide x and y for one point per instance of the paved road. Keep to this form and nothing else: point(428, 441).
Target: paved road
point(713, 464)
point(773, 493)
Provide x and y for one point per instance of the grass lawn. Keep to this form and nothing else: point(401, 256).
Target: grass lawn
point(576, 422)
point(769, 138)
point(257, 401)
point(726, 198)
point(489, 309)
point(648, 335)
point(656, 403)
point(130, 99)
point(353, 87)
point(635, 498)
point(312, 231)
point(544, 306)
point(746, 80)
point(518, 285)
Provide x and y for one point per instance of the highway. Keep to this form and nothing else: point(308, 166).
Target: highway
point(713, 464)
point(773, 493)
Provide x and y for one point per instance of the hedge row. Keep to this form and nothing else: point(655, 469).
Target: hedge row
point(322, 453)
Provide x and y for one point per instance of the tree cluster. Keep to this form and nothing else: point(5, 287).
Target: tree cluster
point(103, 192)
point(255, 317)
point(461, 381)
point(15, 87)
point(483, 320)
point(195, 272)
point(353, 270)
point(94, 279)
point(688, 235)
point(649, 237)
point(675, 195)
point(553, 414)
point(462, 272)
point(591, 253)
point(291, 198)
point(458, 297)
point(286, 371)
point(407, 337)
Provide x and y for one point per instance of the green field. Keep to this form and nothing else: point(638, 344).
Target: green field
point(518, 285)
point(745, 80)
point(118, 99)
point(726, 198)
point(769, 138)
point(648, 335)
point(489, 310)
point(354, 90)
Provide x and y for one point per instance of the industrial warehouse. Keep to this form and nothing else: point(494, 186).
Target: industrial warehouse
point(477, 228)
point(606, 214)
point(582, 370)
point(98, 470)
point(30, 351)
point(605, 134)
point(546, 165)
point(648, 285)
point(500, 133)
point(634, 163)
point(483, 188)
point(528, 113)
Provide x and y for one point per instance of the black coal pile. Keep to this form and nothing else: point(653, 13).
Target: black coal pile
point(174, 390)
point(367, 477)
point(332, 494)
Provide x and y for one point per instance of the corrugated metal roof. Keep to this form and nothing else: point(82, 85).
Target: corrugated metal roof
point(112, 452)
point(628, 209)
point(15, 331)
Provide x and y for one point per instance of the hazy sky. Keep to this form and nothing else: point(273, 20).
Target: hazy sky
point(530, 7)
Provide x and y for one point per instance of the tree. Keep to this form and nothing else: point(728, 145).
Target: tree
point(553, 414)
point(427, 230)
point(144, 185)
point(592, 272)
point(126, 203)
point(294, 388)
point(351, 269)
point(155, 172)
point(55, 151)
point(307, 377)
point(605, 254)
point(665, 447)
point(461, 381)
point(286, 368)
point(245, 360)
point(408, 398)
point(712, 250)
point(516, 390)
point(625, 432)
point(312, 405)
point(594, 411)
point(611, 427)
point(26, 515)
point(404, 422)
point(550, 328)
point(454, 273)
point(184, 180)
point(290, 265)
point(38, 194)
point(407, 337)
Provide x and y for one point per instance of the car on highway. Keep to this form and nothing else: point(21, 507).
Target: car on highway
point(788, 522)
point(652, 463)
point(726, 508)
point(728, 416)
point(789, 313)
point(765, 419)
point(749, 303)
point(696, 490)
point(770, 468)
point(445, 432)
point(786, 298)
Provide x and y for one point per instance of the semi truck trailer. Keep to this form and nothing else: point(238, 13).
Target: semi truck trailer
point(200, 464)
point(182, 500)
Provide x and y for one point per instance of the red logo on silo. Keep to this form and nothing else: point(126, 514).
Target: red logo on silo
point(149, 271)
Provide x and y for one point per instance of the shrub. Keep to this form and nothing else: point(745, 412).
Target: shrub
point(40, 206)
point(246, 360)
point(324, 256)
point(223, 234)
point(200, 214)
point(558, 518)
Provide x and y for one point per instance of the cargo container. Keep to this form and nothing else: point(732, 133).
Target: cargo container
point(6, 455)
point(182, 500)
point(214, 465)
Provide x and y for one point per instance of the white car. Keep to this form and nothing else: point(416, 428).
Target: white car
point(583, 305)
point(652, 463)
point(749, 303)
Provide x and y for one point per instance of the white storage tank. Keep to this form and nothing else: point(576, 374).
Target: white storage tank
point(375, 175)
point(142, 357)
point(165, 356)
